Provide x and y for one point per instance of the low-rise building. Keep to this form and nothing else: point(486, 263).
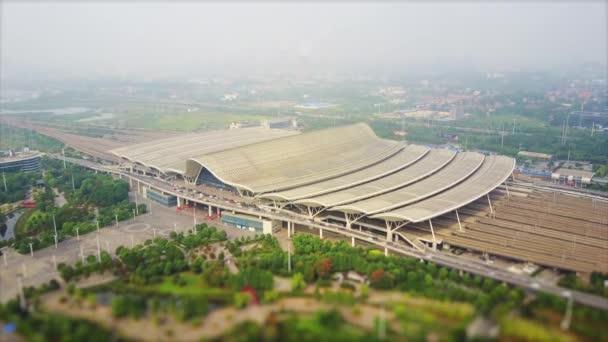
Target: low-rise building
point(26, 161)
point(572, 177)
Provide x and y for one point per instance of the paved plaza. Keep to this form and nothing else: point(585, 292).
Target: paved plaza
point(40, 268)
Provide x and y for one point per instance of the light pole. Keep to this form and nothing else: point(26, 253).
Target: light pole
point(98, 250)
point(63, 154)
point(77, 235)
point(194, 215)
point(4, 179)
point(136, 206)
point(31, 250)
point(54, 224)
point(288, 258)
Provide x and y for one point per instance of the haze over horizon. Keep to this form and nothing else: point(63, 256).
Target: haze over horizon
point(164, 39)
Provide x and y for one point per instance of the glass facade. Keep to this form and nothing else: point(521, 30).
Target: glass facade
point(243, 222)
point(166, 200)
point(207, 177)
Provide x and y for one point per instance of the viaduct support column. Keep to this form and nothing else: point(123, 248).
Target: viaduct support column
point(352, 241)
point(321, 233)
point(210, 208)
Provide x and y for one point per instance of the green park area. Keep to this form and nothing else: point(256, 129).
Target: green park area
point(200, 286)
point(68, 201)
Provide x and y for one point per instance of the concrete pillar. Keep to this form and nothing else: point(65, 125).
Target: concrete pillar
point(352, 241)
point(210, 210)
point(288, 230)
point(179, 202)
point(389, 234)
point(385, 251)
point(321, 233)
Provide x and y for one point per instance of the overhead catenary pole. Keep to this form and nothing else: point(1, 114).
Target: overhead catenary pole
point(458, 218)
point(433, 233)
point(490, 204)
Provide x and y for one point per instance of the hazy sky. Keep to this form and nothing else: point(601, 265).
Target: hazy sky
point(165, 38)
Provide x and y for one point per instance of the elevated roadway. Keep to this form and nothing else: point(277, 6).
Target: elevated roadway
point(449, 260)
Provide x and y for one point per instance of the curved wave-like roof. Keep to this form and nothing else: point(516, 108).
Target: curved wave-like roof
point(170, 155)
point(294, 161)
point(429, 164)
point(494, 171)
point(409, 155)
point(463, 166)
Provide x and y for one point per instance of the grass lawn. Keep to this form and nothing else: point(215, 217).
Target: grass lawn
point(20, 230)
point(194, 285)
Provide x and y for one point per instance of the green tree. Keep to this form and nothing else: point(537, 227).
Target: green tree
point(297, 282)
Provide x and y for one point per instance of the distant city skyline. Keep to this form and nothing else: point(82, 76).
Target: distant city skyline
point(166, 39)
